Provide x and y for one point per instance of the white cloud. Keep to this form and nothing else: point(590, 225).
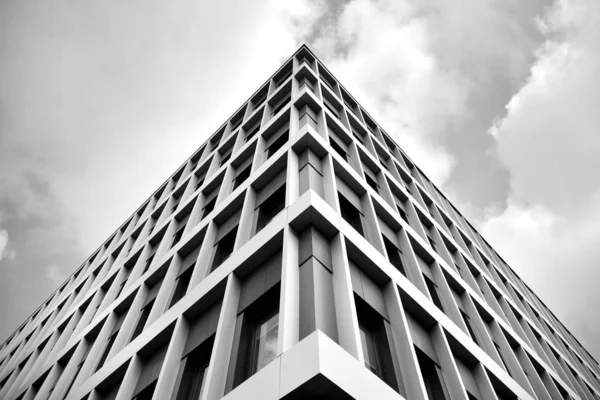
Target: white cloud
point(549, 142)
point(3, 242)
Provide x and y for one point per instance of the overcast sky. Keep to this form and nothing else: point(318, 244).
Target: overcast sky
point(497, 100)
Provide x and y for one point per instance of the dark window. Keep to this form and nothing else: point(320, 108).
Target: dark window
point(402, 212)
point(470, 396)
point(270, 208)
point(224, 248)
point(241, 178)
point(277, 144)
point(281, 104)
point(375, 345)
point(181, 286)
point(502, 359)
point(194, 372)
point(225, 157)
point(372, 182)
point(432, 287)
point(259, 336)
point(331, 108)
point(469, 327)
point(283, 78)
point(351, 214)
point(358, 137)
point(109, 345)
point(199, 183)
point(253, 131)
point(432, 377)
point(338, 149)
point(259, 100)
point(209, 207)
point(394, 255)
point(431, 242)
point(150, 259)
point(139, 328)
point(147, 393)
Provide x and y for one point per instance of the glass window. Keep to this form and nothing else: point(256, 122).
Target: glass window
point(270, 208)
point(277, 144)
point(351, 214)
point(224, 248)
point(264, 343)
point(432, 377)
point(394, 255)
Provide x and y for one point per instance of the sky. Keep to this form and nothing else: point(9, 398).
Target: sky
point(496, 100)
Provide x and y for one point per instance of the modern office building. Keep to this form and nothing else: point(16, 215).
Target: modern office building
point(299, 253)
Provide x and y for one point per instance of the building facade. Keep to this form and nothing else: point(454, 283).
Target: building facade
point(298, 253)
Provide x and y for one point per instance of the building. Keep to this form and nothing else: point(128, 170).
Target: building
point(298, 253)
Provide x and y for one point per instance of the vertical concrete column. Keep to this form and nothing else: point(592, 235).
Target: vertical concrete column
point(53, 375)
point(353, 158)
point(292, 178)
point(411, 265)
point(129, 322)
point(67, 373)
point(532, 374)
point(164, 292)
point(205, 255)
point(226, 185)
point(290, 292)
point(445, 293)
point(244, 232)
point(195, 214)
point(310, 173)
point(329, 183)
point(550, 386)
point(372, 229)
point(483, 382)
point(346, 318)
point(405, 359)
point(317, 303)
point(384, 190)
point(216, 375)
point(130, 379)
point(509, 357)
point(483, 335)
point(454, 381)
point(167, 379)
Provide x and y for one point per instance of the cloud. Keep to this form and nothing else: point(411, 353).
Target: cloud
point(3, 243)
point(549, 142)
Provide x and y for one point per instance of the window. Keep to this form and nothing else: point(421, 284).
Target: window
point(331, 107)
point(259, 99)
point(270, 208)
point(147, 393)
point(281, 104)
point(394, 255)
point(375, 346)
point(150, 257)
point(111, 341)
point(430, 240)
point(210, 205)
point(465, 318)
point(139, 328)
point(283, 78)
point(432, 377)
point(351, 214)
point(253, 131)
point(277, 144)
point(402, 212)
point(176, 201)
point(258, 336)
point(226, 156)
point(338, 149)
point(123, 282)
point(224, 248)
point(193, 376)
point(432, 287)
point(372, 182)
point(181, 286)
point(199, 182)
point(180, 229)
point(242, 176)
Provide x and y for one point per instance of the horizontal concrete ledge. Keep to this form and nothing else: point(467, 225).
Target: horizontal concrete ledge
point(314, 367)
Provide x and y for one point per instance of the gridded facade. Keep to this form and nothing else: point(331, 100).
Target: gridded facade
point(298, 253)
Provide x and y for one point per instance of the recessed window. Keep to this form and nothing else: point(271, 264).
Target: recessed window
point(394, 255)
point(372, 182)
point(209, 207)
point(259, 336)
point(375, 345)
point(278, 144)
point(195, 366)
point(242, 176)
point(181, 285)
point(432, 288)
point(270, 208)
point(402, 212)
point(253, 131)
point(432, 377)
point(280, 105)
point(467, 322)
point(224, 248)
point(338, 149)
point(225, 157)
point(139, 328)
point(181, 224)
point(111, 340)
point(308, 117)
point(331, 107)
point(350, 214)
